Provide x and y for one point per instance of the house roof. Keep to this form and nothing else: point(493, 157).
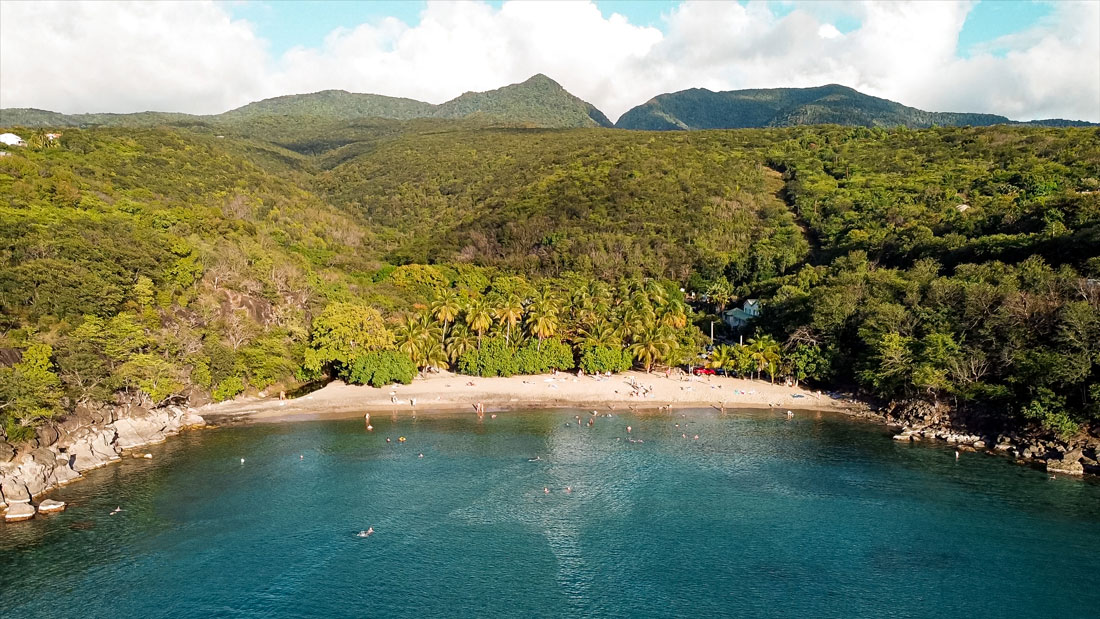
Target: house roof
point(738, 314)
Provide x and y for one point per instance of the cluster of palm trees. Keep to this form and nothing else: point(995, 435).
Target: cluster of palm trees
point(649, 318)
point(760, 355)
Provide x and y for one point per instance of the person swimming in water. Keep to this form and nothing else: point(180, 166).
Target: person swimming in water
point(535, 459)
point(117, 510)
point(369, 532)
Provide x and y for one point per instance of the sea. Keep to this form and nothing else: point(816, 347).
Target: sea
point(689, 513)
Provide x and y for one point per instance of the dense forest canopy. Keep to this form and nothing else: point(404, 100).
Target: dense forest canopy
point(194, 261)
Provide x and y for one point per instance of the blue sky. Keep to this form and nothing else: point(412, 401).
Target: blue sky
point(286, 24)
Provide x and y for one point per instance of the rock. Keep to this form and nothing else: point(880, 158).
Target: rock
point(1070, 464)
point(15, 491)
point(138, 431)
point(92, 448)
point(50, 506)
point(19, 512)
point(47, 435)
point(7, 452)
point(904, 436)
point(1003, 446)
point(980, 444)
point(63, 474)
point(36, 470)
point(191, 420)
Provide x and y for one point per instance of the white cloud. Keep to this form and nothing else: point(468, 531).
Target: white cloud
point(194, 57)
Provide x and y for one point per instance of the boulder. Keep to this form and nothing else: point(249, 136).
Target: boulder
point(36, 470)
point(50, 506)
point(138, 431)
point(19, 512)
point(1070, 464)
point(980, 444)
point(63, 474)
point(191, 420)
point(92, 449)
point(15, 491)
point(7, 452)
point(47, 435)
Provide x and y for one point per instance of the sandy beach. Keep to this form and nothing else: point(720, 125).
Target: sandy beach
point(446, 391)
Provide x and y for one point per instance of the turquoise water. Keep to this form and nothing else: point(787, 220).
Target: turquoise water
point(761, 516)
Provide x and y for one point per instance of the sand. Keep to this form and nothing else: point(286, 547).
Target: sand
point(452, 392)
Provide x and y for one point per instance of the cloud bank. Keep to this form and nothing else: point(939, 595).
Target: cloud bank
point(195, 57)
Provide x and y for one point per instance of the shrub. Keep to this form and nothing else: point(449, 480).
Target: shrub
point(495, 358)
point(228, 388)
point(552, 355)
point(381, 368)
point(599, 359)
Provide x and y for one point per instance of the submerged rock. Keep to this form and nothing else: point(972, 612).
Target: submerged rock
point(19, 512)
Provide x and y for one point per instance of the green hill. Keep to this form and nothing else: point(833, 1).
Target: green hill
point(537, 102)
point(699, 108)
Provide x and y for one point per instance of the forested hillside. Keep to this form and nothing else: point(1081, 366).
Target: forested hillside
point(699, 108)
point(158, 264)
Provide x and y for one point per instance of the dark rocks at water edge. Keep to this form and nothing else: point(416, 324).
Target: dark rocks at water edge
point(87, 440)
point(923, 421)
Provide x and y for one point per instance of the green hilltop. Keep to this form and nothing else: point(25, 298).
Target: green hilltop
point(699, 108)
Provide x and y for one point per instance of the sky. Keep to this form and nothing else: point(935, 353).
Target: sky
point(1025, 60)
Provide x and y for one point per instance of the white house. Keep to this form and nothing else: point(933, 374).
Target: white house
point(740, 316)
point(11, 139)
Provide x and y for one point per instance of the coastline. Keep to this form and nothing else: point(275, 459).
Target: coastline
point(450, 392)
point(61, 453)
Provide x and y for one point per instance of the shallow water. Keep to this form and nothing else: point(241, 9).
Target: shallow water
point(817, 516)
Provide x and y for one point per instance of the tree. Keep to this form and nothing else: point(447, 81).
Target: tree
point(542, 316)
point(343, 332)
point(509, 312)
point(445, 309)
point(29, 391)
point(479, 317)
point(651, 344)
point(764, 352)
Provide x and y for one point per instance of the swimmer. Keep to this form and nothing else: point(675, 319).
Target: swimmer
point(370, 428)
point(388, 440)
point(401, 439)
point(493, 416)
point(367, 533)
point(302, 457)
point(420, 456)
point(696, 437)
point(117, 510)
point(535, 459)
point(568, 489)
point(242, 460)
point(628, 429)
point(956, 454)
point(546, 491)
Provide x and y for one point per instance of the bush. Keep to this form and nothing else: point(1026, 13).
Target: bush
point(495, 358)
point(552, 355)
point(379, 369)
point(228, 388)
point(600, 359)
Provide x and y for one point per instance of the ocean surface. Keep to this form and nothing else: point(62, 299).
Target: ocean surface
point(819, 516)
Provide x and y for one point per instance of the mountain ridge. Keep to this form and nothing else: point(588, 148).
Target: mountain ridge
point(539, 101)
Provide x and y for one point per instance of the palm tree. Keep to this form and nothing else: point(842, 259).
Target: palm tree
point(655, 291)
point(509, 312)
point(651, 344)
point(742, 359)
point(722, 358)
point(542, 316)
point(408, 336)
point(445, 309)
point(764, 352)
point(432, 354)
point(600, 334)
point(479, 317)
point(674, 314)
point(460, 341)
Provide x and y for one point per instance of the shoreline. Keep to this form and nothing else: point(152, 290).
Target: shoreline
point(448, 392)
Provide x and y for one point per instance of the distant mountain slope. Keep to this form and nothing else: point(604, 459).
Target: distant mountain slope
point(333, 105)
point(699, 108)
point(539, 101)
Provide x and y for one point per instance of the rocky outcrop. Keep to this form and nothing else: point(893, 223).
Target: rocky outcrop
point(19, 512)
point(919, 420)
point(86, 440)
point(50, 506)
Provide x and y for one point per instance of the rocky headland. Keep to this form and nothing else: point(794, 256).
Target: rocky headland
point(88, 439)
point(923, 421)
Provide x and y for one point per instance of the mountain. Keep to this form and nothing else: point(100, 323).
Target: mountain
point(539, 102)
point(699, 108)
point(333, 105)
